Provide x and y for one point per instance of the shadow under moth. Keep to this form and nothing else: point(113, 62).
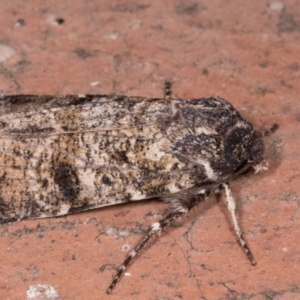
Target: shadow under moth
point(65, 154)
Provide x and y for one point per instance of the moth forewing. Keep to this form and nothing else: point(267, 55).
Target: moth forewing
point(73, 156)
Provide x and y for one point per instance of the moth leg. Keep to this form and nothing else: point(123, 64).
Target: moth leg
point(168, 90)
point(232, 208)
point(180, 209)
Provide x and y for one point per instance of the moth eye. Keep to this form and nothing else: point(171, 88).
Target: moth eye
point(257, 150)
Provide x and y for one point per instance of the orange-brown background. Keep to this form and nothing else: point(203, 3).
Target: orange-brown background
point(246, 51)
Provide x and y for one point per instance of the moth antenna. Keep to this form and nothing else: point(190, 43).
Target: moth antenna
point(179, 210)
point(168, 90)
point(232, 208)
point(271, 130)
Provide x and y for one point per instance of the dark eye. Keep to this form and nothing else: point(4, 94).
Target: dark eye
point(257, 150)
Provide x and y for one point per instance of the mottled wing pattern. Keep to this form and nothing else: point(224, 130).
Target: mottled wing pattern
point(59, 159)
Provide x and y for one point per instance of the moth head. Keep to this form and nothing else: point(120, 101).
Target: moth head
point(256, 150)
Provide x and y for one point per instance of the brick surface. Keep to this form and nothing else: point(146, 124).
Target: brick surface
point(246, 51)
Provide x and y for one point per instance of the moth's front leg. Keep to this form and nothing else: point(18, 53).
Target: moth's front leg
point(180, 207)
point(232, 208)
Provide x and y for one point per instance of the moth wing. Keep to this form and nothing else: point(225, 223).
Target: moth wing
point(64, 158)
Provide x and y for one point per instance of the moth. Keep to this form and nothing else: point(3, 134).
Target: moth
point(66, 154)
